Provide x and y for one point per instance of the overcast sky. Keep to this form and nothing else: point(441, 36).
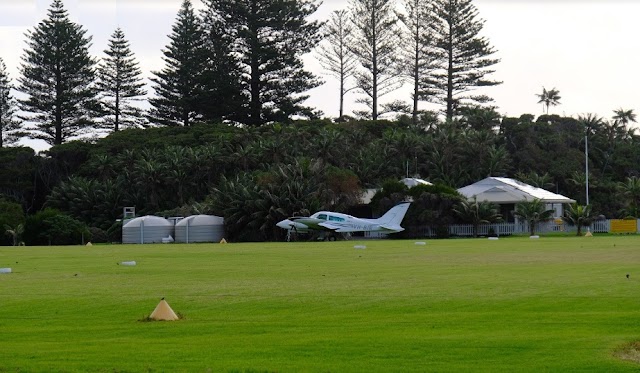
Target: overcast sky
point(587, 49)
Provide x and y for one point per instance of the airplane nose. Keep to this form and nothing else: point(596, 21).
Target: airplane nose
point(284, 224)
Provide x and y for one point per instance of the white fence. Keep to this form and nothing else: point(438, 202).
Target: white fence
point(502, 229)
point(506, 229)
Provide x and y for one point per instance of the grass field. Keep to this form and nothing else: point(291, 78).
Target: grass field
point(554, 304)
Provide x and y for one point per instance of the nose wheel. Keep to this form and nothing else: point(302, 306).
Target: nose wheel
point(292, 233)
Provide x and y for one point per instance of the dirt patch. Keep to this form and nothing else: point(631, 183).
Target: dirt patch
point(629, 352)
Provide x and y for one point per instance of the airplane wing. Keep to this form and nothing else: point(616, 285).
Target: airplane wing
point(338, 228)
point(348, 230)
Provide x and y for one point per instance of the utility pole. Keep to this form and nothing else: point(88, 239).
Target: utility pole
point(586, 165)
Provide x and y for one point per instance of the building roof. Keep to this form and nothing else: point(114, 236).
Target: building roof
point(505, 190)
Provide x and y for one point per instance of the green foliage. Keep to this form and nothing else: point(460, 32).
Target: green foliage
point(418, 190)
point(342, 188)
point(578, 216)
point(120, 82)
point(467, 58)
point(185, 210)
point(390, 194)
point(420, 59)
point(35, 226)
point(534, 179)
point(334, 54)
point(433, 206)
point(97, 235)
point(476, 213)
point(18, 169)
point(94, 202)
point(533, 212)
point(393, 186)
point(268, 39)
point(64, 230)
point(178, 87)
point(9, 125)
point(67, 159)
point(253, 203)
point(11, 213)
point(114, 233)
point(549, 98)
point(137, 140)
point(159, 169)
point(15, 233)
point(630, 190)
point(377, 38)
point(57, 76)
point(247, 59)
point(11, 216)
point(624, 116)
point(51, 227)
point(222, 78)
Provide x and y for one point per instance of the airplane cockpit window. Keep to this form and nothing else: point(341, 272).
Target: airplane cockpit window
point(335, 218)
point(322, 217)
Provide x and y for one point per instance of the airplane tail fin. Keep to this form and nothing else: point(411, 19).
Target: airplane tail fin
point(391, 219)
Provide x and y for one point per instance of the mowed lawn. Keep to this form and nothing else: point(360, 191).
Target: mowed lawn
point(554, 304)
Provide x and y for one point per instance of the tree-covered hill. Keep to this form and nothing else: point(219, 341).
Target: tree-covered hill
point(254, 176)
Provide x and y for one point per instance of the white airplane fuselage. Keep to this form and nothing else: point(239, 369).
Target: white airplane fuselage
point(343, 223)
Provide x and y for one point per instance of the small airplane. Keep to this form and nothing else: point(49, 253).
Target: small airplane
point(335, 222)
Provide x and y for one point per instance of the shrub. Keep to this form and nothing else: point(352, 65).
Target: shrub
point(51, 227)
point(11, 215)
point(35, 225)
point(440, 189)
point(114, 233)
point(98, 235)
point(65, 230)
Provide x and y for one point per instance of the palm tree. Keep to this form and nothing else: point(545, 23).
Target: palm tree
point(480, 118)
point(591, 122)
point(631, 189)
point(579, 216)
point(549, 98)
point(498, 160)
point(477, 213)
point(533, 212)
point(543, 181)
point(243, 155)
point(624, 116)
point(103, 165)
point(15, 233)
point(150, 179)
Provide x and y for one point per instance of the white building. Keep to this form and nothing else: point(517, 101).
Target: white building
point(507, 192)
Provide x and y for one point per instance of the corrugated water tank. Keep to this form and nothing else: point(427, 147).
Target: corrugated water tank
point(146, 229)
point(200, 228)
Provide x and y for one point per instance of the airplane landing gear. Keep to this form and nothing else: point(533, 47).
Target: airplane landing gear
point(292, 234)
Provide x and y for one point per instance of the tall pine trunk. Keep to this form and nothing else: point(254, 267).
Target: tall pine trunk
point(416, 76)
point(450, 75)
point(374, 82)
point(255, 106)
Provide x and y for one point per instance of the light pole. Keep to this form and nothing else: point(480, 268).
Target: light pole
point(586, 165)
